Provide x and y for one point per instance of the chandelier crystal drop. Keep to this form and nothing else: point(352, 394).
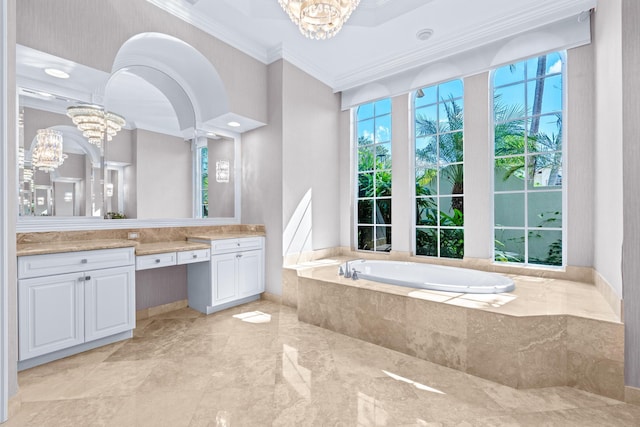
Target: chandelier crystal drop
point(47, 155)
point(94, 123)
point(319, 19)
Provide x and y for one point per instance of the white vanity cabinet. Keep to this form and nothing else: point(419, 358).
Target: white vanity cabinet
point(234, 276)
point(67, 300)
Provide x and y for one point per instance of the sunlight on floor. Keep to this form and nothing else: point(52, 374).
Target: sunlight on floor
point(254, 317)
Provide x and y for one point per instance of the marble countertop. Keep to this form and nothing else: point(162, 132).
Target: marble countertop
point(220, 236)
point(24, 249)
point(173, 246)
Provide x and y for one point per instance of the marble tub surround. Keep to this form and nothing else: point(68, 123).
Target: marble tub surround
point(53, 247)
point(185, 369)
point(291, 271)
point(545, 333)
point(632, 395)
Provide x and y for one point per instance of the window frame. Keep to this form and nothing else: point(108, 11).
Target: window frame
point(527, 229)
point(412, 117)
point(356, 172)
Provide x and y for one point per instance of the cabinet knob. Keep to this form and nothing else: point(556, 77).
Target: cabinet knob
point(84, 261)
point(157, 260)
point(239, 256)
point(87, 278)
point(195, 256)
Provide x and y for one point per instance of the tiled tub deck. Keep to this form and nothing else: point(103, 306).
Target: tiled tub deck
point(548, 332)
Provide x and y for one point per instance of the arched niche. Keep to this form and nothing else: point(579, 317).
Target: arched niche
point(181, 62)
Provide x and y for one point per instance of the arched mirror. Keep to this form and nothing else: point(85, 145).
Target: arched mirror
point(170, 158)
point(156, 163)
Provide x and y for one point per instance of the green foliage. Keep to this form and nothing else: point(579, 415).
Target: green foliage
point(115, 215)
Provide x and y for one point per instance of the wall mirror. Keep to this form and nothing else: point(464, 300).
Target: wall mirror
point(162, 165)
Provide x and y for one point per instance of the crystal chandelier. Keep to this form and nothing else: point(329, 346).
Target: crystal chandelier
point(47, 155)
point(94, 122)
point(319, 19)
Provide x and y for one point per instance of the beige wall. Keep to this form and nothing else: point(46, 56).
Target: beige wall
point(221, 194)
point(478, 196)
point(310, 169)
point(164, 182)
point(92, 31)
point(262, 179)
point(579, 176)
point(291, 169)
point(608, 143)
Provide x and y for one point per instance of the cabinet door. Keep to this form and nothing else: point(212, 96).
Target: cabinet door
point(250, 277)
point(50, 314)
point(109, 302)
point(223, 277)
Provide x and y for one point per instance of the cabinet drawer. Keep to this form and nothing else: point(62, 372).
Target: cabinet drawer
point(235, 245)
point(145, 262)
point(188, 257)
point(71, 262)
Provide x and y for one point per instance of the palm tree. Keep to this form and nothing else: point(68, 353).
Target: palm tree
point(450, 149)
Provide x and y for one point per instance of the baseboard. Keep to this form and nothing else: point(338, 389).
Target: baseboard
point(145, 313)
point(632, 395)
point(607, 292)
point(15, 404)
point(271, 297)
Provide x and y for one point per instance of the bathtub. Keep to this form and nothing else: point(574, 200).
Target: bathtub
point(431, 277)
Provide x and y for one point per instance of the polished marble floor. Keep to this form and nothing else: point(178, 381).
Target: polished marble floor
point(256, 365)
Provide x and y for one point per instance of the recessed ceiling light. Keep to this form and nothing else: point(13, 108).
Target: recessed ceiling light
point(234, 124)
point(54, 72)
point(424, 34)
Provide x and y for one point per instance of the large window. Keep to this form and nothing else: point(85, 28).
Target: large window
point(373, 201)
point(439, 174)
point(528, 104)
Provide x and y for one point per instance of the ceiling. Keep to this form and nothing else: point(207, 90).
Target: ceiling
point(378, 40)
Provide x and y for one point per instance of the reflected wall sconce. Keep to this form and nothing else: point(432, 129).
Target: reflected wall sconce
point(27, 174)
point(109, 189)
point(68, 196)
point(40, 201)
point(222, 171)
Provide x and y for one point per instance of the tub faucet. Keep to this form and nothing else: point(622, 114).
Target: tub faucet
point(347, 272)
point(354, 274)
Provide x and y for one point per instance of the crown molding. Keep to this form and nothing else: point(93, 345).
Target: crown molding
point(504, 26)
point(304, 64)
point(217, 30)
point(508, 24)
